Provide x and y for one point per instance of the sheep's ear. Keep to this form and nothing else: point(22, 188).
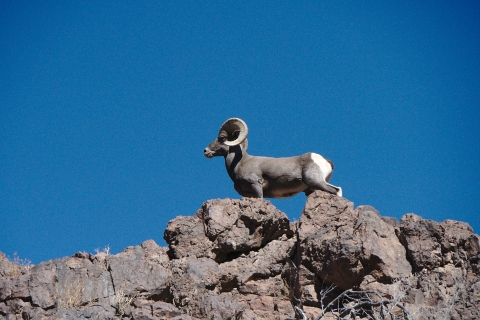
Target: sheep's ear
point(236, 131)
point(222, 136)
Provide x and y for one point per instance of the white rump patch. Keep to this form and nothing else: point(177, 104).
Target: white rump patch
point(323, 164)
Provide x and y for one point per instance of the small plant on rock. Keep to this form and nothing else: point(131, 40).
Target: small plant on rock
point(24, 263)
point(69, 294)
point(18, 266)
point(121, 301)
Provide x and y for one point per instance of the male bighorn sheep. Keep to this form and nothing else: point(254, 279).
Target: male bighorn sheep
point(261, 177)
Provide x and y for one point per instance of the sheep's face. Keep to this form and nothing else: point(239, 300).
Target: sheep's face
point(232, 134)
point(216, 148)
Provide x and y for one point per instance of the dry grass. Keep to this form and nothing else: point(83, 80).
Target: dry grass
point(102, 256)
point(69, 294)
point(104, 251)
point(121, 301)
point(20, 266)
point(24, 263)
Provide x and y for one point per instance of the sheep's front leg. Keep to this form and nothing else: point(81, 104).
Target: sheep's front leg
point(249, 189)
point(257, 188)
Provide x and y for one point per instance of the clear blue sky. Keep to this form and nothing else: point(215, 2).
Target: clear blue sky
point(106, 108)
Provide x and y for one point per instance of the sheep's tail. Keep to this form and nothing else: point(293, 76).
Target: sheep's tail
point(331, 163)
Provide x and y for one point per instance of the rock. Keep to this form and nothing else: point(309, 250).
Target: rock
point(186, 237)
point(152, 274)
point(431, 244)
point(243, 225)
point(228, 256)
point(145, 309)
point(7, 268)
point(88, 312)
point(262, 264)
point(222, 227)
point(243, 259)
point(86, 285)
point(445, 257)
point(341, 245)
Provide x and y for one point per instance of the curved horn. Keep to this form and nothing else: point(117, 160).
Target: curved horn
point(233, 132)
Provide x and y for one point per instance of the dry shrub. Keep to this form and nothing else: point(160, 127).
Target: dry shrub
point(121, 301)
point(69, 294)
point(19, 266)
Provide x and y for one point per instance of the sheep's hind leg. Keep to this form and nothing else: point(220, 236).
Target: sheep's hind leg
point(313, 178)
point(324, 186)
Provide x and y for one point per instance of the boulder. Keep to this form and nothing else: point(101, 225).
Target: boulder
point(225, 227)
point(341, 245)
point(431, 244)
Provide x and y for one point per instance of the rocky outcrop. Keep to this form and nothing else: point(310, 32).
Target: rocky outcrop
point(226, 227)
point(342, 245)
point(445, 259)
point(243, 259)
point(432, 267)
point(228, 258)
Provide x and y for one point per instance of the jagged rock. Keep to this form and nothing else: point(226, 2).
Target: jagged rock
point(146, 310)
point(243, 225)
point(445, 257)
point(88, 312)
point(262, 264)
point(341, 245)
point(242, 249)
point(152, 274)
point(208, 289)
point(7, 268)
point(186, 237)
point(226, 226)
point(86, 285)
point(241, 259)
point(431, 244)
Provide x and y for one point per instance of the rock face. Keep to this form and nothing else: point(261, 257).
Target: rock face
point(243, 259)
point(342, 245)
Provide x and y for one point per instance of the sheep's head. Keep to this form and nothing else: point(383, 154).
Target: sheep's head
point(232, 133)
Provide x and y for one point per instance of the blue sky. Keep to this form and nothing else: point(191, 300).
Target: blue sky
point(106, 108)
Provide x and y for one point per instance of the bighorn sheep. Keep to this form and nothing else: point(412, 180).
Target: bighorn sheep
point(261, 177)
